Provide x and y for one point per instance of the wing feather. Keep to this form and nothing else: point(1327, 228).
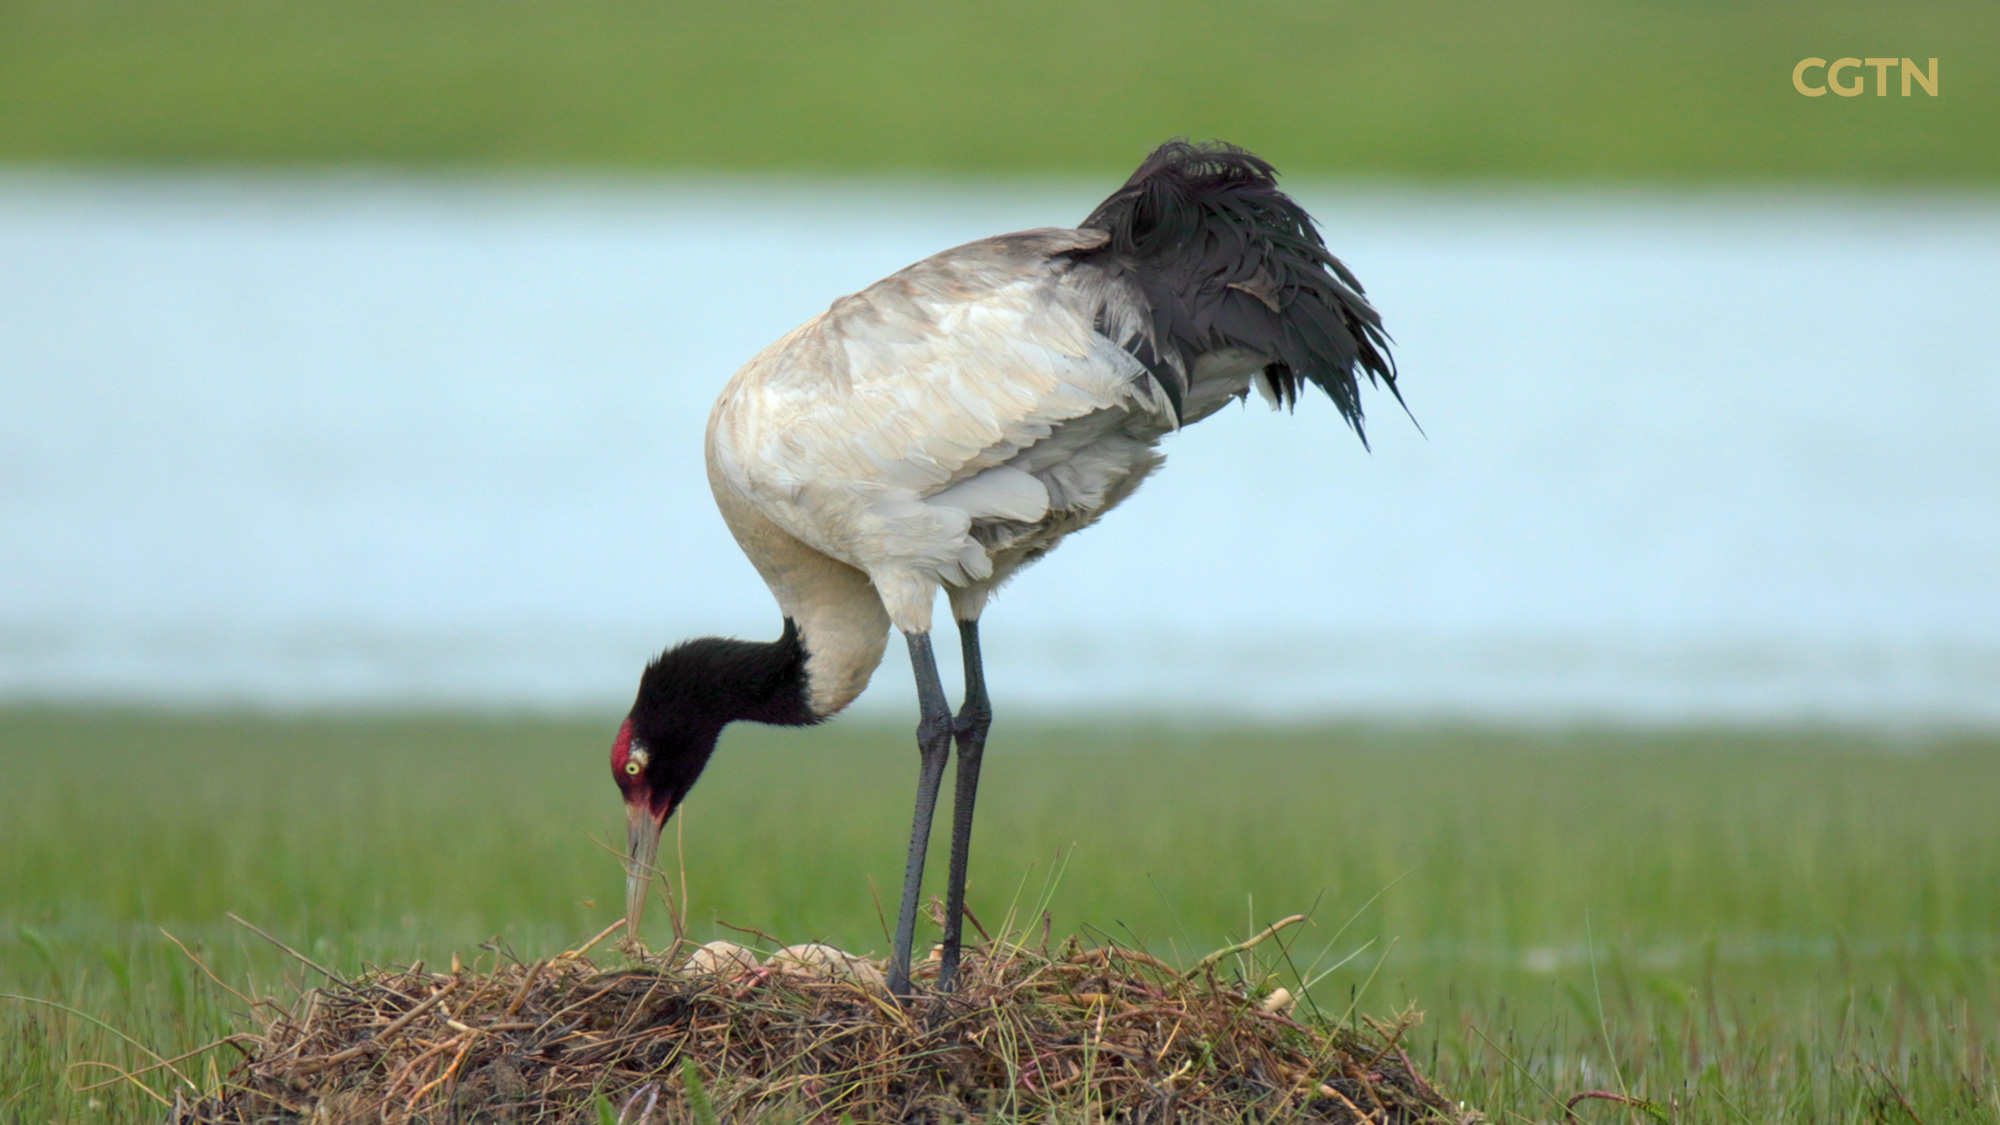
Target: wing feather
point(881, 431)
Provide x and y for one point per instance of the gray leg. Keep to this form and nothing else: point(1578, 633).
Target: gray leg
point(970, 729)
point(934, 730)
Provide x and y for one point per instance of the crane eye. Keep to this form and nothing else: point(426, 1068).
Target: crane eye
point(632, 767)
point(636, 760)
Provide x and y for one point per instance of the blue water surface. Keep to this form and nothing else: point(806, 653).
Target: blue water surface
point(361, 440)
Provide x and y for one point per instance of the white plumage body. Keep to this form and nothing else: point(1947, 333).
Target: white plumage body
point(941, 428)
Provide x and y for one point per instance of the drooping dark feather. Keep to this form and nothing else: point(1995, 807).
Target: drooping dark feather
point(1226, 260)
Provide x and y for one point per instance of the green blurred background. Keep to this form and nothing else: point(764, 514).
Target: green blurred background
point(1604, 90)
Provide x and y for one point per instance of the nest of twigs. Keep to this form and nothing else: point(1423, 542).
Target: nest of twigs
point(810, 1034)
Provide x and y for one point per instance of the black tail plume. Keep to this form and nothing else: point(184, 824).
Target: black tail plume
point(1226, 260)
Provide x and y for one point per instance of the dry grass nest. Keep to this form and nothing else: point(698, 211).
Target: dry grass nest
point(809, 1034)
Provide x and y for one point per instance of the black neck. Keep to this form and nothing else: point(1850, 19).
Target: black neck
point(700, 686)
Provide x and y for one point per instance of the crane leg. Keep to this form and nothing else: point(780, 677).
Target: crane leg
point(934, 731)
point(974, 717)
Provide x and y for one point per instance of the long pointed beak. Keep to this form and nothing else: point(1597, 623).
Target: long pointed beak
point(642, 843)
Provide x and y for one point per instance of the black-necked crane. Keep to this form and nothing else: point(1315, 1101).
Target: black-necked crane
point(952, 423)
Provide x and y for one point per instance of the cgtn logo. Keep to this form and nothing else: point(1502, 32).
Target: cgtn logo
point(1802, 76)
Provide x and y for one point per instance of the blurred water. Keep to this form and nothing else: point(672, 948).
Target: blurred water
point(304, 442)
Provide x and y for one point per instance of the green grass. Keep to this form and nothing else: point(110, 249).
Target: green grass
point(1778, 926)
point(1539, 89)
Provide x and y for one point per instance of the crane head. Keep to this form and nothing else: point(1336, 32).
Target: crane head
point(686, 696)
point(650, 798)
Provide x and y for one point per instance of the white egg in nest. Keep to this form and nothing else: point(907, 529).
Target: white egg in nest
point(719, 958)
point(815, 959)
